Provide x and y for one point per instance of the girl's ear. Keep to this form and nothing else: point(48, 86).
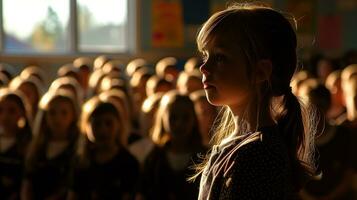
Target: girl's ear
point(263, 70)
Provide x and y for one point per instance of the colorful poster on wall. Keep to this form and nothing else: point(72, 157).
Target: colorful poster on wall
point(167, 24)
point(329, 35)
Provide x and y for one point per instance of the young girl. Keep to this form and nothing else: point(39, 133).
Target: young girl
point(52, 148)
point(84, 66)
point(141, 148)
point(262, 148)
point(31, 87)
point(177, 138)
point(15, 135)
point(104, 169)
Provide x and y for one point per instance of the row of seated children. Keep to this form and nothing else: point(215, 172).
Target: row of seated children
point(103, 132)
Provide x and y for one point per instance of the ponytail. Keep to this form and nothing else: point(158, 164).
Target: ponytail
point(298, 130)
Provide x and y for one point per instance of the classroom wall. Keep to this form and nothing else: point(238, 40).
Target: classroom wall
point(329, 26)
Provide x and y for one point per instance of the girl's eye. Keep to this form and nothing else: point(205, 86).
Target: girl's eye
point(220, 58)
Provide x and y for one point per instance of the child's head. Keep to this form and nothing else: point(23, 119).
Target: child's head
point(57, 116)
point(34, 71)
point(70, 84)
point(156, 84)
point(333, 84)
point(31, 87)
point(84, 66)
point(68, 70)
point(15, 113)
point(167, 69)
point(298, 78)
point(103, 123)
point(324, 68)
point(100, 61)
point(148, 111)
point(112, 82)
point(134, 65)
point(112, 66)
point(189, 82)
point(193, 63)
point(350, 93)
point(176, 121)
point(138, 83)
point(347, 74)
point(122, 100)
point(248, 50)
point(95, 80)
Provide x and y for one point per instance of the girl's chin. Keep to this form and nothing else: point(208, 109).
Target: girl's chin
point(213, 98)
point(214, 101)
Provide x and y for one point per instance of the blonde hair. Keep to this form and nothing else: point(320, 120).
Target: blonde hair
point(159, 135)
point(163, 64)
point(41, 129)
point(263, 33)
point(134, 65)
point(24, 133)
point(185, 77)
point(348, 73)
point(65, 83)
point(94, 106)
point(35, 71)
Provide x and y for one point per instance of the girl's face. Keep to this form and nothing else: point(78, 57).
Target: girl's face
point(163, 87)
point(60, 116)
point(84, 74)
point(30, 92)
point(171, 73)
point(105, 128)
point(179, 120)
point(225, 77)
point(10, 114)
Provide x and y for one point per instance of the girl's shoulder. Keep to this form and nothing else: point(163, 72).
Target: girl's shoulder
point(257, 168)
point(261, 150)
point(265, 145)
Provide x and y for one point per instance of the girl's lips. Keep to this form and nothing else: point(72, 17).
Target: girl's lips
point(207, 85)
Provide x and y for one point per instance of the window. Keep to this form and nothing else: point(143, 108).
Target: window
point(65, 26)
point(102, 26)
point(36, 25)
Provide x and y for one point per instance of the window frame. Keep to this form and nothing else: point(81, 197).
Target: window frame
point(73, 50)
